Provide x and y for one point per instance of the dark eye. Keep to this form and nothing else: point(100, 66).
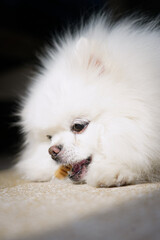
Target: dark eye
point(49, 137)
point(79, 127)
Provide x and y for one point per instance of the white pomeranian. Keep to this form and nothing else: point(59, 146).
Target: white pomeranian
point(96, 106)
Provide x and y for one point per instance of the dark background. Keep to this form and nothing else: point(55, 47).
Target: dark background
point(25, 27)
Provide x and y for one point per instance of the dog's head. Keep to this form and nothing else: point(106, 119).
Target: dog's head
point(77, 103)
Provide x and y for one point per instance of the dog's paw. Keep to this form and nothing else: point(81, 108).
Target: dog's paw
point(35, 171)
point(110, 176)
point(35, 174)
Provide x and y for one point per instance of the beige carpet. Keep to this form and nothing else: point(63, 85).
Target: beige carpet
point(66, 211)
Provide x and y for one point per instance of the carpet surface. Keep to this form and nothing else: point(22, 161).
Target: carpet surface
point(61, 210)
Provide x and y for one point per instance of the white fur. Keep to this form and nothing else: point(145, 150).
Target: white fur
point(109, 75)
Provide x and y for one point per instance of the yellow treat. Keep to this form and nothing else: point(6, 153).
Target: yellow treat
point(62, 171)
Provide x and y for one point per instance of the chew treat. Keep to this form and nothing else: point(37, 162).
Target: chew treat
point(62, 171)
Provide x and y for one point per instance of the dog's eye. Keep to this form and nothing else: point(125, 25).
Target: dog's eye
point(49, 137)
point(79, 127)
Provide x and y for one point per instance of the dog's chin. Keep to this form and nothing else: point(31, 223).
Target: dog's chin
point(79, 170)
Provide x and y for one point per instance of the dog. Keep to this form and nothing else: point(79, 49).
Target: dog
point(95, 105)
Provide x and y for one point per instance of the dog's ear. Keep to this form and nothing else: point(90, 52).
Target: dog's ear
point(96, 63)
point(89, 53)
point(81, 44)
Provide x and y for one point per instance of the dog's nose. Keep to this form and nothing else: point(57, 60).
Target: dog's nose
point(55, 150)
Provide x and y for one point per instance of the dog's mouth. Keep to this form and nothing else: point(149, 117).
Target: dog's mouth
point(79, 170)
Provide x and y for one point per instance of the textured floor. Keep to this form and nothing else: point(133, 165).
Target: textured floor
point(66, 211)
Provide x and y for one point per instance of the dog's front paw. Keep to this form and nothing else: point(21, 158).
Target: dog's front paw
point(110, 176)
point(36, 169)
point(35, 173)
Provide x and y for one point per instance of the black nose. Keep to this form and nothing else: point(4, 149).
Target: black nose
point(54, 151)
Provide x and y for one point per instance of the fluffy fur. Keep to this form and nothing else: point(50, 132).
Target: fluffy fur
point(109, 75)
